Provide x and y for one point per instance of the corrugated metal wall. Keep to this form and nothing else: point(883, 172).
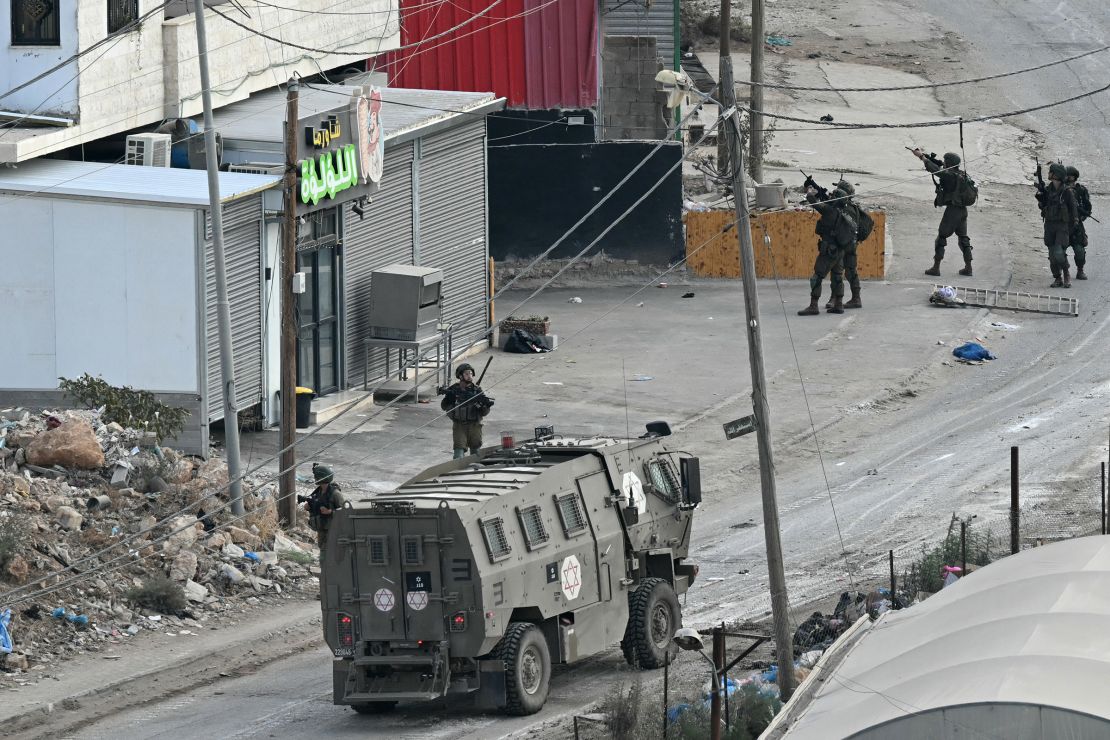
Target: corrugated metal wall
point(383, 237)
point(643, 18)
point(453, 226)
point(538, 54)
point(243, 251)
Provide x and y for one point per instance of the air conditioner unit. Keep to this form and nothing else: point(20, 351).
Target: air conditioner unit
point(256, 168)
point(149, 150)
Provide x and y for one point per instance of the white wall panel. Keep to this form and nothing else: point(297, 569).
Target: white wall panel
point(27, 293)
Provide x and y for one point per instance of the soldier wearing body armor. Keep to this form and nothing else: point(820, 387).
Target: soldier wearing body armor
point(836, 233)
point(1079, 233)
point(1061, 215)
point(322, 503)
point(851, 273)
point(954, 220)
point(466, 404)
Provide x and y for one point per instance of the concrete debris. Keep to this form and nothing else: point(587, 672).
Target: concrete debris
point(49, 474)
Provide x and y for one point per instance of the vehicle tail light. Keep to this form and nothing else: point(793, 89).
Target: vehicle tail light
point(346, 630)
point(458, 622)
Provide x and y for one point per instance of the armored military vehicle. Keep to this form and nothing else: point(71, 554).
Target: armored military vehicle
point(479, 574)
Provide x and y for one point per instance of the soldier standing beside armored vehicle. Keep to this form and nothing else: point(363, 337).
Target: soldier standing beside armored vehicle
point(836, 231)
point(322, 503)
point(1060, 214)
point(954, 221)
point(1079, 233)
point(466, 405)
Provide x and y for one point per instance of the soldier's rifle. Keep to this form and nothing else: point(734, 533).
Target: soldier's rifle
point(811, 183)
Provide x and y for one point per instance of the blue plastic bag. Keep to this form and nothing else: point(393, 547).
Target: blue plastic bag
point(973, 351)
point(5, 636)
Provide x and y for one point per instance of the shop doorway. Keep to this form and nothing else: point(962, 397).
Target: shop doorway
point(318, 306)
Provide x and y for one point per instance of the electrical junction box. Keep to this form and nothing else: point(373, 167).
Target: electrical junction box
point(298, 282)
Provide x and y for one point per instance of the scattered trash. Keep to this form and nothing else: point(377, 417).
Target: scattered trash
point(945, 296)
point(952, 574)
point(523, 342)
point(642, 378)
point(827, 118)
point(778, 41)
point(687, 295)
point(973, 351)
point(5, 636)
point(872, 471)
point(1004, 325)
point(576, 299)
point(662, 285)
point(551, 382)
point(640, 304)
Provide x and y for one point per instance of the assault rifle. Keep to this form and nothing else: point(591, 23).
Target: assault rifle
point(811, 183)
point(1040, 195)
point(931, 156)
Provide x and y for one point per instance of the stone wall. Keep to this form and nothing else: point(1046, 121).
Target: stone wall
point(632, 104)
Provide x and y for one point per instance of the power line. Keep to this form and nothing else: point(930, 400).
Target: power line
point(389, 11)
point(926, 85)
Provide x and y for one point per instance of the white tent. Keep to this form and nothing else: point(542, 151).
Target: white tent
point(1018, 649)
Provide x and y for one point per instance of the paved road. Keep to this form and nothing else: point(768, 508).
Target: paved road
point(877, 389)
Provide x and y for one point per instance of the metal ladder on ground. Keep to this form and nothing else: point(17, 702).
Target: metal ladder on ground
point(1011, 300)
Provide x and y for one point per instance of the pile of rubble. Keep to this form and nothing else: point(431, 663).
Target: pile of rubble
point(77, 494)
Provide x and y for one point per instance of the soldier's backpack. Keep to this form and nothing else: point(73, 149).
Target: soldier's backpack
point(864, 223)
point(845, 228)
point(966, 190)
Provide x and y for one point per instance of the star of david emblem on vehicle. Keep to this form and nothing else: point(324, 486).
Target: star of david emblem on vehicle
point(570, 577)
point(383, 599)
point(417, 600)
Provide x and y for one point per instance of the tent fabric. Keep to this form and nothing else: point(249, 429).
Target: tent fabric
point(1030, 630)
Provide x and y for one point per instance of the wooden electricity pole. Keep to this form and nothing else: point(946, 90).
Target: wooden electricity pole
point(726, 53)
point(755, 120)
point(287, 488)
point(780, 603)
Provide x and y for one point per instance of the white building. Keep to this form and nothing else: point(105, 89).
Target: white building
point(105, 73)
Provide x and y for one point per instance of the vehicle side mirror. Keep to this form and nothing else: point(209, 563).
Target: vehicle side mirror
point(691, 480)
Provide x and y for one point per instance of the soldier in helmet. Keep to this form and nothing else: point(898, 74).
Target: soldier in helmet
point(851, 274)
point(954, 220)
point(835, 233)
point(1079, 233)
point(466, 404)
point(1061, 216)
point(322, 503)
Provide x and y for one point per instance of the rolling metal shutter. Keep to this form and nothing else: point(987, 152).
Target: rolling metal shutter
point(382, 238)
point(243, 250)
point(640, 18)
point(452, 216)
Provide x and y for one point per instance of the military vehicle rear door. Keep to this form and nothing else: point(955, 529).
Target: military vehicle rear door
point(377, 576)
point(422, 583)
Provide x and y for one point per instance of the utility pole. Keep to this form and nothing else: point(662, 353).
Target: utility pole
point(223, 308)
point(287, 485)
point(780, 602)
point(726, 53)
point(755, 120)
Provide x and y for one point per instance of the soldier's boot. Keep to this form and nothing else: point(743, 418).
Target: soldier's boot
point(966, 272)
point(459, 453)
point(1079, 274)
point(475, 450)
point(1067, 277)
point(935, 269)
point(811, 309)
point(838, 305)
point(855, 302)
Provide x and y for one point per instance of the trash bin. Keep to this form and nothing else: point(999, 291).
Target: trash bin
point(304, 406)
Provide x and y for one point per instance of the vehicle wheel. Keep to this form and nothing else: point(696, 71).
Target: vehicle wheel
point(527, 668)
point(374, 707)
point(653, 617)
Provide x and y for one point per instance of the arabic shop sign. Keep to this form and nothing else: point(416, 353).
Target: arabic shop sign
point(346, 148)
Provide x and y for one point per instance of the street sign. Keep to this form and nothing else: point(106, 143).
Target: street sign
point(740, 427)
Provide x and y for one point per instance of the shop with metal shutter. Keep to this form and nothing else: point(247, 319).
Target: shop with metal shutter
point(383, 237)
point(243, 255)
point(451, 194)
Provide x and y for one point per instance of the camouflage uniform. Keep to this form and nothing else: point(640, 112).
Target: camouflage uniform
point(830, 255)
point(326, 496)
point(466, 405)
point(954, 220)
point(1079, 233)
point(851, 274)
point(1060, 214)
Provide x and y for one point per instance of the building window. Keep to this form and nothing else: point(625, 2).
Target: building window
point(120, 13)
point(35, 23)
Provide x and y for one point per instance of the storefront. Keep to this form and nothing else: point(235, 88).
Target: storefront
point(426, 207)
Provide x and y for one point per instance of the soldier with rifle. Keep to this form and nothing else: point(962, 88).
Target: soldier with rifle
point(322, 503)
point(836, 232)
point(955, 191)
point(1079, 233)
point(466, 404)
point(1061, 215)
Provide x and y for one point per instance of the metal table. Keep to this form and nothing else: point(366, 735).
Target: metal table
point(440, 343)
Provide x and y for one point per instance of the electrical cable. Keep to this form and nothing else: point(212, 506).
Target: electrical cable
point(388, 11)
point(529, 131)
point(926, 85)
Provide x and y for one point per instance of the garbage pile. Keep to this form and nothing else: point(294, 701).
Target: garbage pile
point(77, 492)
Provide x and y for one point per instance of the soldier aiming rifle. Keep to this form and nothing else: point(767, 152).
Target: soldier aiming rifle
point(466, 404)
point(1061, 216)
point(836, 232)
point(955, 191)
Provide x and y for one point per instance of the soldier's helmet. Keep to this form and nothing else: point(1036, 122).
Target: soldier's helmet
point(838, 194)
point(951, 159)
point(462, 369)
point(1072, 172)
point(322, 474)
point(1058, 171)
point(846, 187)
